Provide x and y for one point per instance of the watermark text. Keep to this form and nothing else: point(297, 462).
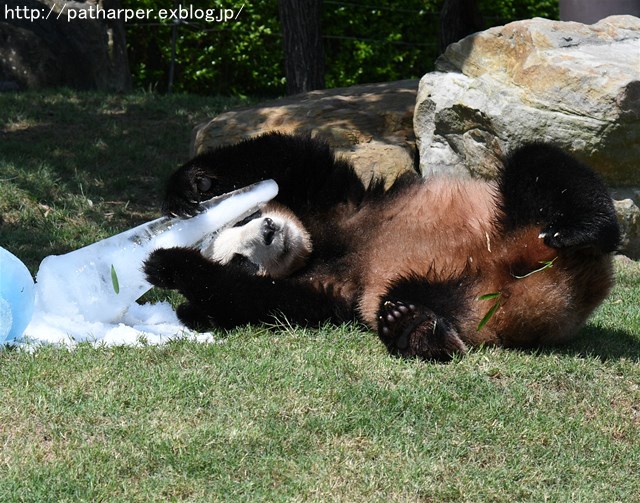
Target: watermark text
point(182, 13)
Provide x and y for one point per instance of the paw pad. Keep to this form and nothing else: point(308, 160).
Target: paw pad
point(409, 330)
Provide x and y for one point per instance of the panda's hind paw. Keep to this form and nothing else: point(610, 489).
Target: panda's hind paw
point(408, 330)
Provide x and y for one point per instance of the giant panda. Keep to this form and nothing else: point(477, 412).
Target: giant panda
point(433, 265)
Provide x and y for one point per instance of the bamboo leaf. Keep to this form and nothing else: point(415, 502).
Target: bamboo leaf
point(114, 280)
point(488, 316)
point(488, 296)
point(546, 264)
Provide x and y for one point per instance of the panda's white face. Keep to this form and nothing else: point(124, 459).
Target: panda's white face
point(275, 242)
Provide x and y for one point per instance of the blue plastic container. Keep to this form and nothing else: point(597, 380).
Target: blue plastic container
point(16, 297)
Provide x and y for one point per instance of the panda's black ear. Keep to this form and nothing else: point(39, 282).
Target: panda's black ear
point(244, 264)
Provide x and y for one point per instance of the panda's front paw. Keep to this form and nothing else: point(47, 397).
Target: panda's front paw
point(159, 268)
point(187, 188)
point(409, 330)
point(181, 204)
point(559, 237)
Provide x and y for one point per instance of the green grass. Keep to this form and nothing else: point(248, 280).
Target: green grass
point(278, 414)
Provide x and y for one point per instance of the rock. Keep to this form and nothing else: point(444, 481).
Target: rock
point(369, 124)
point(626, 265)
point(41, 47)
point(575, 85)
point(627, 203)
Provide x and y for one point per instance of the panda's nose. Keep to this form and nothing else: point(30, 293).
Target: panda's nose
point(269, 229)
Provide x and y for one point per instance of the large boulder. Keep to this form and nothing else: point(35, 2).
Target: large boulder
point(41, 46)
point(575, 85)
point(371, 124)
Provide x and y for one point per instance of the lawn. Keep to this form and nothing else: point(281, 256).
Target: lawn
point(276, 413)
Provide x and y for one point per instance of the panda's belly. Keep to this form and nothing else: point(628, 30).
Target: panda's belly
point(438, 229)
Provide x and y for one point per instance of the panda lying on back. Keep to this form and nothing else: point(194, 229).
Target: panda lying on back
point(433, 265)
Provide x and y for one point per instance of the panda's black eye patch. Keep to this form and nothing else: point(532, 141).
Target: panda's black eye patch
point(203, 184)
point(243, 263)
point(248, 219)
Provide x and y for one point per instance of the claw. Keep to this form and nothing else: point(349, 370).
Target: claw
point(411, 331)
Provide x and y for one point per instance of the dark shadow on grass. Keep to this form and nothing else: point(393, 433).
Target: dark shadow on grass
point(596, 342)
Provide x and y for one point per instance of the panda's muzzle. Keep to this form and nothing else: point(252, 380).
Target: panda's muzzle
point(269, 229)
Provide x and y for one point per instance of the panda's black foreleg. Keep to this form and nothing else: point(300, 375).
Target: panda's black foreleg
point(224, 296)
point(542, 185)
point(418, 318)
point(306, 171)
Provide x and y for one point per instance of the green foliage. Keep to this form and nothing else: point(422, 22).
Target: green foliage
point(546, 264)
point(492, 310)
point(511, 10)
point(378, 41)
point(114, 280)
point(364, 41)
point(241, 56)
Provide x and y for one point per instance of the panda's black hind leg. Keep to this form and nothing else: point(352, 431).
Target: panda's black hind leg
point(542, 185)
point(408, 330)
point(417, 318)
point(194, 317)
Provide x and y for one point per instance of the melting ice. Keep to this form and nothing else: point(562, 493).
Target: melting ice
point(89, 294)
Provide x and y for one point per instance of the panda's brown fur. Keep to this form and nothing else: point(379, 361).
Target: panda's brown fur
point(434, 266)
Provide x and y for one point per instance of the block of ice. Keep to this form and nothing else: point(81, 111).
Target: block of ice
point(16, 297)
point(148, 324)
point(100, 281)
